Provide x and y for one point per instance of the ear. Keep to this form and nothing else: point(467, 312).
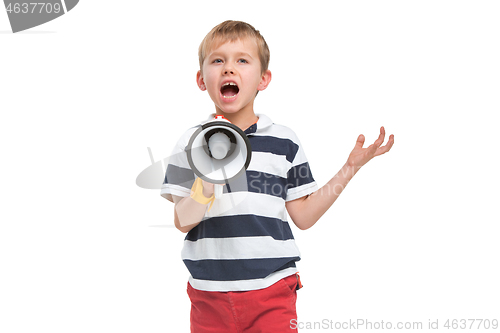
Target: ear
point(264, 80)
point(200, 82)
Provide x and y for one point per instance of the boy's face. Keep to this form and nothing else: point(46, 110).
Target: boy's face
point(232, 75)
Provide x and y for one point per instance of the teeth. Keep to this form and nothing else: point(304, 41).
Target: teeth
point(229, 84)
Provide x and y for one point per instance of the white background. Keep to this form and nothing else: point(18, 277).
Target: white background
point(413, 237)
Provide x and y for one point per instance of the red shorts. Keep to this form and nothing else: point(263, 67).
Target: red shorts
point(263, 310)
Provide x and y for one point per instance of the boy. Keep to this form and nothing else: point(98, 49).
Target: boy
point(242, 261)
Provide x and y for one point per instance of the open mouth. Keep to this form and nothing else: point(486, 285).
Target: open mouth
point(229, 90)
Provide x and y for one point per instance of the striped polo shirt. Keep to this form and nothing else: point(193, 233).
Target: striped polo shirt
point(245, 242)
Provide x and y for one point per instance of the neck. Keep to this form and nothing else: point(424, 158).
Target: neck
point(241, 119)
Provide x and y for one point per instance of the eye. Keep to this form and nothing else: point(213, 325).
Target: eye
point(217, 61)
point(243, 61)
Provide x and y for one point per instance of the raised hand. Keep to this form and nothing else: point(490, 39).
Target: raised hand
point(360, 156)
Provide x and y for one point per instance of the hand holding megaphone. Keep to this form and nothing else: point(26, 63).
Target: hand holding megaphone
point(209, 189)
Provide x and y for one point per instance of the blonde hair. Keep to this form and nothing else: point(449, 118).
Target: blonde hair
point(230, 31)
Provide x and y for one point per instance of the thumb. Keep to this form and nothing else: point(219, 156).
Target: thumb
point(360, 142)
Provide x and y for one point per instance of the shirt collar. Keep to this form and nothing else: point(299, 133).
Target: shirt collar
point(263, 122)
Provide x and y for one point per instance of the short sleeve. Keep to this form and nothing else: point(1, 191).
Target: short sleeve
point(179, 177)
point(300, 181)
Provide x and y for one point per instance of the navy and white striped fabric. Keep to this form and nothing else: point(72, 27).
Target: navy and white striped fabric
point(245, 241)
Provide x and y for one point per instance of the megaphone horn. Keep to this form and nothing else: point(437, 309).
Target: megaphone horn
point(219, 152)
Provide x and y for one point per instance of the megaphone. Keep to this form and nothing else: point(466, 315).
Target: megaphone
point(219, 152)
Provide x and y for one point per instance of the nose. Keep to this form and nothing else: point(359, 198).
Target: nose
point(228, 69)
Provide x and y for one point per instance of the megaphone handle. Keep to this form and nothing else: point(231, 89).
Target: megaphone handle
point(218, 189)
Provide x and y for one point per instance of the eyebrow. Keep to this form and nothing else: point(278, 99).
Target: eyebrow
point(238, 54)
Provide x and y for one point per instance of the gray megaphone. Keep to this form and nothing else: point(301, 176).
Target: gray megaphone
point(219, 152)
